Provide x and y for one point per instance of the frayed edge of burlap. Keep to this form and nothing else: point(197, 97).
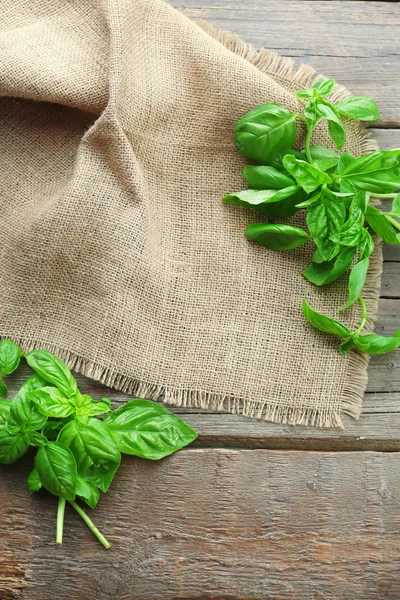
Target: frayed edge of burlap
point(269, 411)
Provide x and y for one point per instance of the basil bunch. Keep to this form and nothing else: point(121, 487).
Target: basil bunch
point(78, 454)
point(333, 189)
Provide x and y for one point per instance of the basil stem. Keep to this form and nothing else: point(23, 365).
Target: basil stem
point(364, 316)
point(90, 524)
point(60, 520)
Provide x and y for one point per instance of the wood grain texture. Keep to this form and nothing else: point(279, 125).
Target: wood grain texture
point(317, 526)
point(354, 42)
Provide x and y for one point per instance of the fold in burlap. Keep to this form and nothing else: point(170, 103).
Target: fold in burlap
point(116, 129)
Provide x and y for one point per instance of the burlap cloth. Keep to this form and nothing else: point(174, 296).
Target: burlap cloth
point(116, 133)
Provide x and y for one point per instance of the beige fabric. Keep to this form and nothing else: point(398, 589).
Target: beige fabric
point(116, 133)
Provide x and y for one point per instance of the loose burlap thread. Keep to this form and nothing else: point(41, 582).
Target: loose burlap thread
point(116, 133)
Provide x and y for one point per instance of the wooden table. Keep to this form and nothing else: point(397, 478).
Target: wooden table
point(253, 510)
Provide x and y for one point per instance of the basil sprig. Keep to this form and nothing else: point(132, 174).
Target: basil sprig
point(78, 454)
point(334, 191)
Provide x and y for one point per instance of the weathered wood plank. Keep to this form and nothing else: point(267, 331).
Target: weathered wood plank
point(221, 524)
point(354, 42)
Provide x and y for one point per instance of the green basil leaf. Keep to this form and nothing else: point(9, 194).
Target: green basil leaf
point(378, 221)
point(264, 177)
point(10, 355)
point(3, 389)
point(96, 453)
point(348, 237)
point(376, 344)
point(322, 153)
point(147, 429)
point(56, 467)
point(326, 110)
point(311, 201)
point(265, 132)
point(396, 206)
point(53, 370)
point(328, 271)
point(276, 237)
point(346, 346)
point(276, 163)
point(100, 407)
point(306, 175)
point(287, 207)
point(305, 94)
point(366, 245)
point(34, 483)
point(12, 446)
point(52, 402)
point(324, 86)
point(377, 172)
point(259, 199)
point(358, 107)
point(324, 323)
point(352, 231)
point(5, 410)
point(24, 411)
point(357, 278)
point(323, 220)
point(34, 438)
point(88, 492)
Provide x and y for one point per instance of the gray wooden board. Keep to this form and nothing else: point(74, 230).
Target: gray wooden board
point(355, 42)
point(318, 525)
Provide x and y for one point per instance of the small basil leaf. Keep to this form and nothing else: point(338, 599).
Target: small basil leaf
point(324, 86)
point(346, 346)
point(34, 438)
point(276, 237)
point(259, 199)
point(23, 410)
point(53, 370)
point(306, 175)
point(265, 132)
point(52, 402)
point(100, 407)
point(378, 221)
point(376, 344)
point(366, 245)
point(348, 237)
point(87, 491)
point(10, 355)
point(5, 410)
point(264, 177)
point(3, 389)
point(377, 172)
point(357, 278)
point(34, 483)
point(56, 467)
point(147, 429)
point(310, 201)
point(324, 323)
point(323, 220)
point(322, 153)
point(359, 107)
point(12, 446)
point(96, 453)
point(396, 206)
point(328, 271)
point(336, 129)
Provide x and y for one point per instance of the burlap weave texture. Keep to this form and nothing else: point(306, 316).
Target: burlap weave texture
point(116, 134)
